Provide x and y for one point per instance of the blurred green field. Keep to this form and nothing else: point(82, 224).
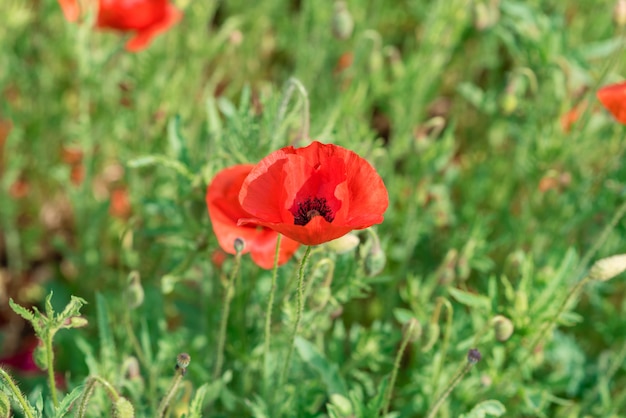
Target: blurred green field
point(505, 180)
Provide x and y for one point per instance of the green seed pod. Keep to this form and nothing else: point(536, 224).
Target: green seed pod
point(503, 327)
point(607, 268)
point(122, 408)
point(342, 23)
point(134, 290)
point(431, 336)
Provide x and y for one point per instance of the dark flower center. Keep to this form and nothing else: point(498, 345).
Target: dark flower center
point(303, 212)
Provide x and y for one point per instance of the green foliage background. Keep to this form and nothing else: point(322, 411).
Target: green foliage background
point(496, 208)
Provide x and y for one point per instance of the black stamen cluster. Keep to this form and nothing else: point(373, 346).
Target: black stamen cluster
point(310, 208)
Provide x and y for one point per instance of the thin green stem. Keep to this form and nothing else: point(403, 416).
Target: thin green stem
point(17, 393)
point(50, 365)
point(300, 310)
point(451, 385)
point(268, 316)
point(292, 84)
point(396, 366)
point(546, 327)
point(228, 297)
point(89, 388)
point(446, 338)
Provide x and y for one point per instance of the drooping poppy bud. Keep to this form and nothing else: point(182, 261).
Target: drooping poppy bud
point(313, 194)
point(503, 327)
point(122, 408)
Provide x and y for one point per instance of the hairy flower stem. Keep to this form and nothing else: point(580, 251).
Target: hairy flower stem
point(451, 385)
point(300, 310)
point(89, 388)
point(228, 297)
point(50, 366)
point(268, 317)
point(17, 393)
point(396, 366)
point(181, 370)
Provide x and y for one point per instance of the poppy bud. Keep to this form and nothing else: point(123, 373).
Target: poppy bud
point(375, 261)
point(607, 268)
point(473, 356)
point(134, 291)
point(343, 24)
point(619, 13)
point(415, 328)
point(182, 361)
point(503, 327)
point(431, 336)
point(75, 322)
point(122, 408)
point(344, 244)
point(239, 245)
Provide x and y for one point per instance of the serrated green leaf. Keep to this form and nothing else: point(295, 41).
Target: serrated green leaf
point(328, 372)
point(195, 408)
point(21, 311)
point(68, 400)
point(72, 309)
point(470, 299)
point(48, 306)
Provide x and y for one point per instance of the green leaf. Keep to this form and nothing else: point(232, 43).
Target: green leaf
point(72, 309)
point(48, 306)
point(21, 311)
point(403, 315)
point(470, 299)
point(328, 372)
point(491, 408)
point(67, 401)
point(376, 404)
point(195, 409)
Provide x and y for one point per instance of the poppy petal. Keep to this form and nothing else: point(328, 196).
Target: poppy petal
point(613, 97)
point(225, 210)
point(313, 194)
point(144, 36)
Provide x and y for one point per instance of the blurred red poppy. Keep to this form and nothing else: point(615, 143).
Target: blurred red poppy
point(147, 18)
point(222, 200)
point(314, 194)
point(613, 97)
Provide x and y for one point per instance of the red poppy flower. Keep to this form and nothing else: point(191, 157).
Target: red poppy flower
point(147, 18)
point(613, 97)
point(222, 200)
point(314, 194)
